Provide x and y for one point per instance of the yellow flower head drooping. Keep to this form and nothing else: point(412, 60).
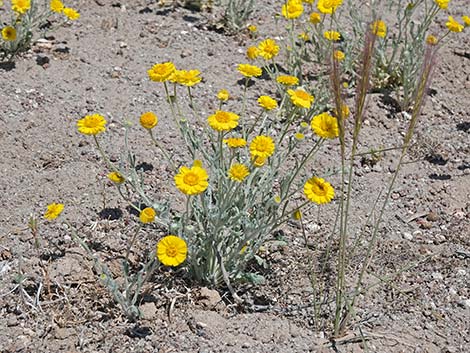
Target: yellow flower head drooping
point(223, 121)
point(53, 211)
point(161, 72)
point(325, 125)
point(466, 20)
point(328, 6)
point(238, 172)
point(443, 4)
point(315, 18)
point(186, 78)
point(304, 36)
point(235, 142)
point(299, 136)
point(116, 177)
point(318, 190)
point(20, 6)
point(332, 35)
point(257, 161)
point(8, 33)
point(300, 98)
point(252, 28)
point(267, 102)
point(248, 70)
point(56, 6)
point(147, 215)
point(431, 40)
point(148, 120)
point(268, 49)
point(252, 53)
point(92, 124)
point(453, 25)
point(379, 28)
point(192, 181)
point(262, 146)
point(338, 55)
point(297, 215)
point(71, 14)
point(292, 9)
point(172, 250)
point(287, 80)
point(223, 95)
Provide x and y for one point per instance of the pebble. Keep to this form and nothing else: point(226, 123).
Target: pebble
point(432, 216)
point(465, 303)
point(408, 236)
point(461, 272)
point(148, 310)
point(437, 276)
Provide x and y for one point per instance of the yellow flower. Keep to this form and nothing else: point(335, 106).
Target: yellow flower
point(248, 70)
point(258, 161)
point(338, 55)
point(332, 35)
point(297, 215)
point(442, 3)
point(344, 111)
point(277, 199)
point(453, 25)
point(268, 49)
point(299, 136)
point(324, 125)
point(379, 28)
point(304, 36)
point(304, 124)
point(292, 9)
point(92, 124)
point(223, 95)
point(238, 172)
point(235, 142)
point(71, 13)
point(116, 177)
point(223, 121)
point(192, 181)
point(315, 18)
point(252, 28)
point(161, 72)
point(172, 250)
point(147, 215)
point(262, 146)
point(287, 80)
point(53, 211)
point(300, 98)
point(252, 53)
point(20, 6)
point(431, 40)
point(328, 6)
point(186, 78)
point(8, 33)
point(318, 190)
point(148, 120)
point(466, 20)
point(56, 6)
point(267, 102)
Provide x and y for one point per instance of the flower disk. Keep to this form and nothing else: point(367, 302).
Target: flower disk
point(262, 146)
point(53, 211)
point(268, 49)
point(192, 181)
point(147, 215)
point(172, 250)
point(238, 172)
point(300, 98)
point(92, 124)
point(324, 125)
point(338, 55)
point(148, 120)
point(20, 6)
point(267, 102)
point(161, 72)
point(318, 190)
point(248, 70)
point(223, 95)
point(9, 33)
point(315, 18)
point(223, 121)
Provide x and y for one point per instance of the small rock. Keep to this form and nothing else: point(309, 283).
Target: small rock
point(209, 297)
point(63, 333)
point(148, 310)
point(395, 196)
point(461, 272)
point(432, 216)
point(13, 321)
point(459, 215)
point(408, 236)
point(437, 276)
point(465, 303)
point(123, 45)
point(185, 53)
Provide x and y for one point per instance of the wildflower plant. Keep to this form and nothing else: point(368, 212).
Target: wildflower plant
point(25, 19)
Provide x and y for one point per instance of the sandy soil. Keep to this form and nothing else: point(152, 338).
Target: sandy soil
point(98, 64)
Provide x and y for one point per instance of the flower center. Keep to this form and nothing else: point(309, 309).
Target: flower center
point(171, 251)
point(222, 117)
point(319, 189)
point(92, 122)
point(302, 95)
point(191, 179)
